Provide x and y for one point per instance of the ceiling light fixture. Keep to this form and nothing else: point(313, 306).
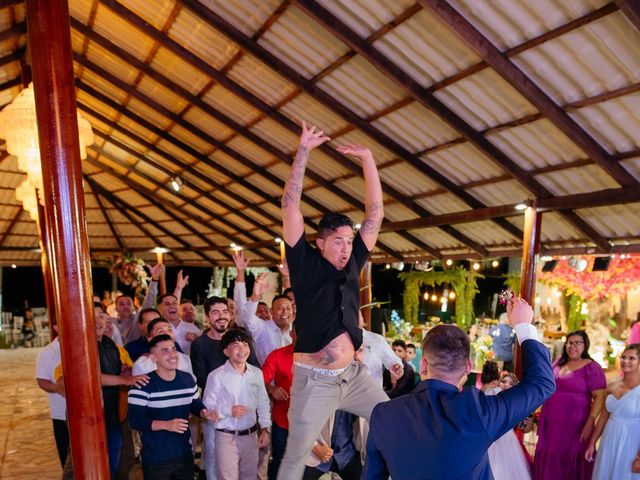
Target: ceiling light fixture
point(521, 206)
point(177, 183)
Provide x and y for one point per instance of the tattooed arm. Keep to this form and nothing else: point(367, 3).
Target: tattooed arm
point(292, 220)
point(373, 206)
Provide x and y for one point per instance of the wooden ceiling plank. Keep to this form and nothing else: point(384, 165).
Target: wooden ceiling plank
point(15, 31)
point(483, 47)
point(124, 207)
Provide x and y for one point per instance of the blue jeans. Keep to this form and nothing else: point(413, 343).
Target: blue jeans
point(114, 447)
point(278, 444)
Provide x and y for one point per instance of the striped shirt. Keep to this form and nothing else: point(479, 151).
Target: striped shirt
point(163, 400)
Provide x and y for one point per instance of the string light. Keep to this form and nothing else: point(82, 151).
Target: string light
point(476, 266)
point(449, 262)
point(495, 263)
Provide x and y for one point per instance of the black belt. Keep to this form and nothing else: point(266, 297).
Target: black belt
point(248, 431)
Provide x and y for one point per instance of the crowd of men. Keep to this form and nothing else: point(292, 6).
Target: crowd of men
point(295, 390)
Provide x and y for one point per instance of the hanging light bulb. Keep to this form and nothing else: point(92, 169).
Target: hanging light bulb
point(476, 266)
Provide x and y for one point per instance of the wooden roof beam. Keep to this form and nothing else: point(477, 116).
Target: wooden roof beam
point(528, 89)
point(124, 208)
point(150, 195)
point(109, 222)
point(207, 108)
point(247, 96)
point(422, 95)
point(631, 9)
point(157, 150)
point(314, 91)
point(615, 196)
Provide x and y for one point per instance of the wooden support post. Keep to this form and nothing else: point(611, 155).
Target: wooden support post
point(366, 295)
point(47, 275)
point(530, 248)
point(52, 69)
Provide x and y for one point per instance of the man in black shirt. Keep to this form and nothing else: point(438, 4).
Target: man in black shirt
point(325, 282)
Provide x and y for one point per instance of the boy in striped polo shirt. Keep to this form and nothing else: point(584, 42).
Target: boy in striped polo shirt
point(160, 410)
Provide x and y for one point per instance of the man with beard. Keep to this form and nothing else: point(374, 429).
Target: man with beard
point(206, 356)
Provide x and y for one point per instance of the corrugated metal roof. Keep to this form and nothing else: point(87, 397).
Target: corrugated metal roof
point(597, 57)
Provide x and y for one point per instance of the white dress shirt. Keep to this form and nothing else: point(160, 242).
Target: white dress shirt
point(145, 364)
point(48, 359)
point(377, 353)
point(227, 387)
point(267, 336)
point(181, 334)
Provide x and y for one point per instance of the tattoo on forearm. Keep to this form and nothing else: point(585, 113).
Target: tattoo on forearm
point(293, 188)
point(374, 214)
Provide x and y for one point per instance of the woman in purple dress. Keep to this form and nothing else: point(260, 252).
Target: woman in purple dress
point(568, 417)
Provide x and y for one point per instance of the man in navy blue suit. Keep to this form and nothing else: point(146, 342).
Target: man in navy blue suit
point(445, 432)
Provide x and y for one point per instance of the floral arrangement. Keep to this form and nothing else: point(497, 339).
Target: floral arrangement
point(481, 350)
point(401, 328)
point(130, 271)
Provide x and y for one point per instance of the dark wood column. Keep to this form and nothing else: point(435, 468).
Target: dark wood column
point(366, 296)
point(52, 69)
point(530, 248)
point(47, 275)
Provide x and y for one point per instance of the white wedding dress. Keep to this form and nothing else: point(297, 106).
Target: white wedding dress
point(506, 457)
point(620, 441)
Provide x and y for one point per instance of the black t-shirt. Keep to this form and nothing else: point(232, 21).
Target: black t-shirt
point(109, 356)
point(327, 299)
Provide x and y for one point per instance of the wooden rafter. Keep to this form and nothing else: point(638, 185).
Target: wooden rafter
point(149, 195)
point(528, 89)
point(12, 224)
point(631, 8)
point(107, 219)
point(270, 111)
point(363, 124)
point(125, 209)
point(427, 99)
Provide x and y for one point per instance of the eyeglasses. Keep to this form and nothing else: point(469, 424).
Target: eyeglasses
point(575, 343)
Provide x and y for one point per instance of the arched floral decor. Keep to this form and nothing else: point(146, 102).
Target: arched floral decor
point(463, 282)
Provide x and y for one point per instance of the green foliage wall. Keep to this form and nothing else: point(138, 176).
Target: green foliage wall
point(463, 282)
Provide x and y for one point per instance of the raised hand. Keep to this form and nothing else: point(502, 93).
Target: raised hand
point(519, 311)
point(182, 281)
point(240, 261)
point(156, 270)
point(311, 137)
point(260, 286)
point(356, 151)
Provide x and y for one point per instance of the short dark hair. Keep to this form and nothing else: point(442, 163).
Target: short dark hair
point(490, 372)
point(331, 222)
point(262, 303)
point(95, 305)
point(160, 338)
point(161, 297)
point(446, 348)
point(411, 345)
point(286, 291)
point(124, 296)
point(186, 300)
point(633, 346)
point(280, 297)
point(585, 353)
point(154, 322)
point(399, 343)
point(234, 335)
point(211, 301)
point(144, 311)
